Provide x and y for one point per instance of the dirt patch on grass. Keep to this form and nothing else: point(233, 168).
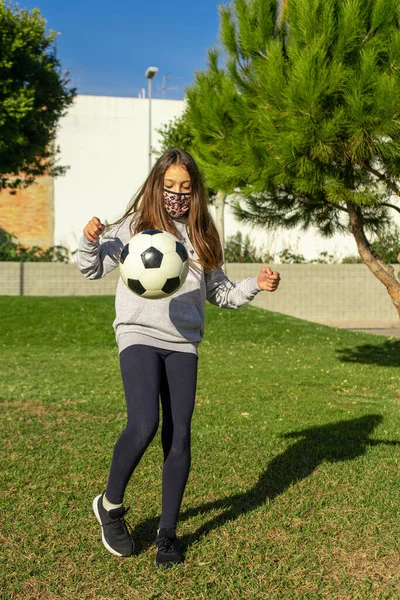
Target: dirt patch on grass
point(36, 408)
point(368, 563)
point(381, 570)
point(28, 407)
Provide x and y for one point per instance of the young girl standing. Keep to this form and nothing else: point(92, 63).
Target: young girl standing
point(158, 339)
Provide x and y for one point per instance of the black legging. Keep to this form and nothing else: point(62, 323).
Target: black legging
point(147, 374)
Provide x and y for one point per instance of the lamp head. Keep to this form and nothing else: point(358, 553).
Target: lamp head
point(151, 72)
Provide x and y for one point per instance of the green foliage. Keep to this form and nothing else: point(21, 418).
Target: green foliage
point(351, 260)
point(303, 116)
point(290, 257)
point(14, 251)
point(239, 249)
point(176, 134)
point(34, 95)
point(324, 258)
point(387, 245)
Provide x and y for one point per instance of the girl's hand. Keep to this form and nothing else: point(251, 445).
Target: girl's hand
point(93, 229)
point(268, 280)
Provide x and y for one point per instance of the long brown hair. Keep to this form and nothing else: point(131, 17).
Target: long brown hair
point(148, 212)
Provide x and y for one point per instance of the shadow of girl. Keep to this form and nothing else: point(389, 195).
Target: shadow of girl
point(341, 441)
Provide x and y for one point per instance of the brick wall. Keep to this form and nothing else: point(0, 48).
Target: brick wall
point(338, 295)
point(29, 214)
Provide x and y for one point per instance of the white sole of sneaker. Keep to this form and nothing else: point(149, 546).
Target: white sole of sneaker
point(96, 512)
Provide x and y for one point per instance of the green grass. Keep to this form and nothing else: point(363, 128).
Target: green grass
point(294, 487)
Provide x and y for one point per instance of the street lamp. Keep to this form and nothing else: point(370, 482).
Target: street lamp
point(150, 73)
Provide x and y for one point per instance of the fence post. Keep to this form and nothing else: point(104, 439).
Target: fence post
point(21, 278)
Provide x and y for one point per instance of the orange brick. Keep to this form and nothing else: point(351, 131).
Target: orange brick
point(29, 214)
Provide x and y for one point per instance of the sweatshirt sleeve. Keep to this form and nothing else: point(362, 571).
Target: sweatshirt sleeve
point(225, 293)
point(96, 259)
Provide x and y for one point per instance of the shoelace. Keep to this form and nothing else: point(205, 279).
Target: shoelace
point(166, 545)
point(120, 526)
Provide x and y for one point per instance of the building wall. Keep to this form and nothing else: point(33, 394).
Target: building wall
point(105, 142)
point(307, 243)
point(29, 213)
point(337, 295)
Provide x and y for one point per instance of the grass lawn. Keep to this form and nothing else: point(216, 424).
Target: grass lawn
point(294, 487)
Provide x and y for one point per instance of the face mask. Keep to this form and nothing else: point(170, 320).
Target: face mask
point(176, 204)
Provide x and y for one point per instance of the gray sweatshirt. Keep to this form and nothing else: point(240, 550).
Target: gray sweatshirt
point(175, 322)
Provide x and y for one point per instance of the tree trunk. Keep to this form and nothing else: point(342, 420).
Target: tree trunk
point(382, 271)
point(219, 204)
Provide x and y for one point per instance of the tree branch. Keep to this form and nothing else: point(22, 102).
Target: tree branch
point(382, 177)
point(338, 207)
point(391, 206)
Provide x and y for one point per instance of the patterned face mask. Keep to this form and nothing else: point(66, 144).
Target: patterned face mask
point(176, 203)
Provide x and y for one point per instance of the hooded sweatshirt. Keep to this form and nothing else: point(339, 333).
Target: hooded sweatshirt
point(172, 323)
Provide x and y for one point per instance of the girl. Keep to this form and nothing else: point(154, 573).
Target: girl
point(158, 339)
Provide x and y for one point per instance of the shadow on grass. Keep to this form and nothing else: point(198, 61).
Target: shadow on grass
point(342, 441)
point(386, 354)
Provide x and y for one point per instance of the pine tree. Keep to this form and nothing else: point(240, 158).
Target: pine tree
point(303, 117)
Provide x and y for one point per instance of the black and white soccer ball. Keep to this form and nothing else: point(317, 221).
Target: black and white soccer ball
point(154, 264)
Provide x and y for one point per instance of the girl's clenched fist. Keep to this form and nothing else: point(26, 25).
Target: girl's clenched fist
point(93, 229)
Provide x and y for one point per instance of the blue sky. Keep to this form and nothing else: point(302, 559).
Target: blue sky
point(108, 45)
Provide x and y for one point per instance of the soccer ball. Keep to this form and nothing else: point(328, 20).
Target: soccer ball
point(154, 264)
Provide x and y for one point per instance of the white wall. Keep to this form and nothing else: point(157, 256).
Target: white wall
point(310, 244)
point(104, 140)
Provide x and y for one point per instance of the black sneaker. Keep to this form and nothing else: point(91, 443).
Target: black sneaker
point(115, 535)
point(168, 551)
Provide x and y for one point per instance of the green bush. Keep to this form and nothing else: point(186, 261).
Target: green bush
point(240, 250)
point(324, 258)
point(287, 256)
point(387, 245)
point(11, 250)
point(351, 260)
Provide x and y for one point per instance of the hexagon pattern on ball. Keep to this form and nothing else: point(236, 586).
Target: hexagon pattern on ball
point(154, 264)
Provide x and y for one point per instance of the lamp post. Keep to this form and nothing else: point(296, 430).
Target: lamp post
point(150, 73)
